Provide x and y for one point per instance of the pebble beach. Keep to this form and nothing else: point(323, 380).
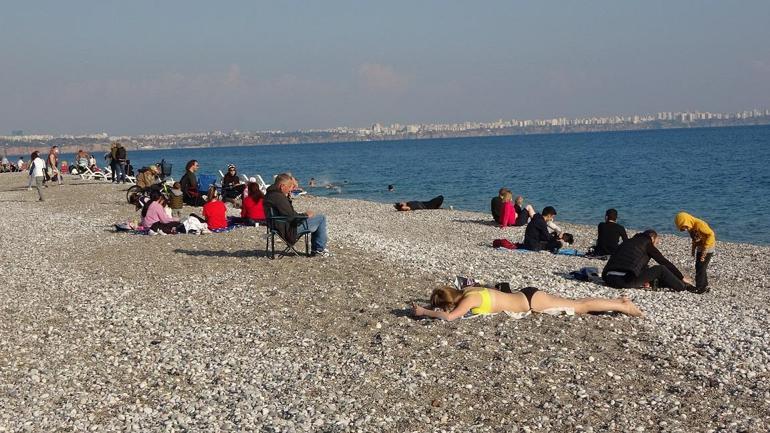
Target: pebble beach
point(105, 331)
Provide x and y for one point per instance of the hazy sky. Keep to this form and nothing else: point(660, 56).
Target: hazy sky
point(128, 67)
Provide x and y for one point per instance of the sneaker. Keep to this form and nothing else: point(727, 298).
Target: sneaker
point(162, 233)
point(698, 290)
point(152, 233)
point(321, 253)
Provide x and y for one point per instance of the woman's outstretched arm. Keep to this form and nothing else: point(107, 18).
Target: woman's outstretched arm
point(462, 308)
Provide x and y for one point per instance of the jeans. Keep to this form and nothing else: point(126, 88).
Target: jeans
point(661, 273)
point(117, 171)
point(317, 226)
point(701, 279)
point(39, 187)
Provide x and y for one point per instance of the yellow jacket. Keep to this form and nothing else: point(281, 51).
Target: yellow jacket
point(700, 232)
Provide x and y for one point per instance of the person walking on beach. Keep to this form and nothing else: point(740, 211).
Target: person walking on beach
point(53, 172)
point(627, 268)
point(120, 154)
point(37, 172)
point(610, 233)
point(277, 200)
point(455, 304)
point(703, 242)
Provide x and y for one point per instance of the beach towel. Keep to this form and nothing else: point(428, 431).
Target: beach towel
point(569, 252)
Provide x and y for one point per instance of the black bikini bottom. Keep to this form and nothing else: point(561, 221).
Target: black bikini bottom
point(529, 292)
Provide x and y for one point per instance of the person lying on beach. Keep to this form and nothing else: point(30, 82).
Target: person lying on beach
point(627, 268)
point(434, 203)
point(609, 234)
point(702, 248)
point(454, 303)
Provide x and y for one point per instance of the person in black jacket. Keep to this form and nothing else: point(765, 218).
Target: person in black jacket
point(434, 203)
point(276, 199)
point(537, 237)
point(189, 184)
point(496, 205)
point(610, 234)
point(627, 267)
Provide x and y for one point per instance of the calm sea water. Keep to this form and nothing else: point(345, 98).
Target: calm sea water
point(718, 174)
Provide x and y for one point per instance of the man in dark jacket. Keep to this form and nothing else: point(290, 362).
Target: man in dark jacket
point(537, 237)
point(610, 234)
point(277, 199)
point(189, 184)
point(628, 268)
point(496, 205)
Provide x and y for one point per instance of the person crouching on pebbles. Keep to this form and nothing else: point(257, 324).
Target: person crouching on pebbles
point(456, 303)
point(627, 267)
point(703, 242)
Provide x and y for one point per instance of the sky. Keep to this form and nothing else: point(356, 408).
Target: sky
point(169, 66)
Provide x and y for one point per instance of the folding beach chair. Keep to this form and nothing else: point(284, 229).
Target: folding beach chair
point(205, 181)
point(274, 222)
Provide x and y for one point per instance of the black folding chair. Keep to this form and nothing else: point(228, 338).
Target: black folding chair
point(274, 221)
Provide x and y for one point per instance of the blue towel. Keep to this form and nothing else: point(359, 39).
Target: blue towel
point(570, 252)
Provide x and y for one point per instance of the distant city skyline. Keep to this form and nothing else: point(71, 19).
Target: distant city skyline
point(149, 67)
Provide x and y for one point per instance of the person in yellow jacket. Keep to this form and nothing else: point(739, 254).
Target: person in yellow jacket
point(703, 243)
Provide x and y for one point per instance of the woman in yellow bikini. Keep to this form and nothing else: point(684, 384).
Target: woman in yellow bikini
point(456, 303)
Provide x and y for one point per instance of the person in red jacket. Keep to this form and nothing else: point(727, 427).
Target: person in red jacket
point(253, 205)
point(215, 211)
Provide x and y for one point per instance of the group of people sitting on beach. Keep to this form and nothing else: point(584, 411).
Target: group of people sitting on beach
point(161, 213)
point(627, 266)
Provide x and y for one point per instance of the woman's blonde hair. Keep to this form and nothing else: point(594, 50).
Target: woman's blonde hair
point(507, 196)
point(446, 298)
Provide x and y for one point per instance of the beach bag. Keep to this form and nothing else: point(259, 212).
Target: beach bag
point(503, 243)
point(587, 274)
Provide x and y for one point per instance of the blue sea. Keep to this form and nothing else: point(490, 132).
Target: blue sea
point(717, 174)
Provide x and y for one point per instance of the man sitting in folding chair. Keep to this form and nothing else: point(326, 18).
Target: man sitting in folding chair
point(277, 203)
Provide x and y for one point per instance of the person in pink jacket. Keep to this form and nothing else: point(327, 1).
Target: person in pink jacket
point(508, 214)
point(155, 217)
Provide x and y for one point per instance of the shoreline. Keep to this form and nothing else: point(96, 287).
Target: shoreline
point(110, 331)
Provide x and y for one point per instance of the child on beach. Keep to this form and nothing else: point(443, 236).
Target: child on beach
point(703, 242)
point(176, 200)
point(481, 300)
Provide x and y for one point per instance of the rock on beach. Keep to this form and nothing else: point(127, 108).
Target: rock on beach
point(105, 331)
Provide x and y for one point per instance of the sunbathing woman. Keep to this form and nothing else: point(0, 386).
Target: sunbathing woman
point(456, 303)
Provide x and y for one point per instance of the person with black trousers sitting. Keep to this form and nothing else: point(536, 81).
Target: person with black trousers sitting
point(496, 205)
point(610, 234)
point(627, 267)
point(189, 184)
point(537, 237)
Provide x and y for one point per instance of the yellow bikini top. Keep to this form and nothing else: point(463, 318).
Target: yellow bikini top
point(486, 301)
